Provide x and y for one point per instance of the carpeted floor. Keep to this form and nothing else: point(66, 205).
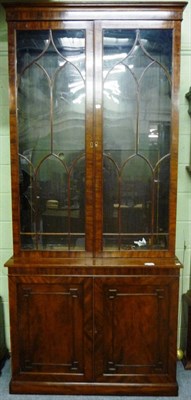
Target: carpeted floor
point(183, 378)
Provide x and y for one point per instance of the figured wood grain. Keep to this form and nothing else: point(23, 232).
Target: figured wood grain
point(52, 16)
point(99, 330)
point(93, 322)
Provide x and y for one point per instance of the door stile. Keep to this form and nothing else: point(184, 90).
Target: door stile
point(174, 135)
point(89, 138)
point(98, 134)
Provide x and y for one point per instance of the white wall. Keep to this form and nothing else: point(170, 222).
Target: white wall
point(5, 184)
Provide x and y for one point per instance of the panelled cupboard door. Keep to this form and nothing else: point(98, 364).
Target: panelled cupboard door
point(53, 336)
point(134, 328)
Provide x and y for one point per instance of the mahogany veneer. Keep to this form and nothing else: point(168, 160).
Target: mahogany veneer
point(100, 318)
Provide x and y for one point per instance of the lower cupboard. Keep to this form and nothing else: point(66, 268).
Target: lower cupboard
point(94, 331)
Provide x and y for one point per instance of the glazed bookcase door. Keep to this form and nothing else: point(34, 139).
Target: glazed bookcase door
point(96, 137)
point(54, 137)
point(137, 162)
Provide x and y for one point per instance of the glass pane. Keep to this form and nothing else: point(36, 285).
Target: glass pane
point(51, 126)
point(136, 137)
point(30, 45)
point(161, 196)
point(155, 114)
point(111, 194)
point(69, 109)
point(119, 92)
point(158, 45)
point(120, 110)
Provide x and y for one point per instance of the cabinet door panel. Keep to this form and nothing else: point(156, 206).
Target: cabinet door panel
point(132, 329)
point(136, 136)
point(54, 96)
point(54, 328)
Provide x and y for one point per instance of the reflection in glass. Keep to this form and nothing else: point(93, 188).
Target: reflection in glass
point(51, 126)
point(136, 138)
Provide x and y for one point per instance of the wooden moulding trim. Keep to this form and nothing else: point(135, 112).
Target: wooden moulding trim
point(154, 389)
point(136, 10)
point(111, 263)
